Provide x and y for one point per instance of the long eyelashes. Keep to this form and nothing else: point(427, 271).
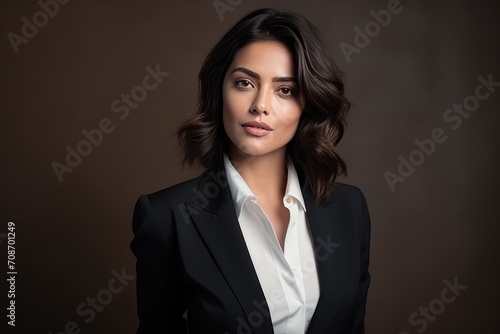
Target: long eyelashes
point(246, 82)
point(291, 90)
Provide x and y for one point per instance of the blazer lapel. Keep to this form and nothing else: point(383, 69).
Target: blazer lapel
point(326, 236)
point(218, 225)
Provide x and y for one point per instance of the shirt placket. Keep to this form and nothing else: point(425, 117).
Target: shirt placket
point(289, 266)
point(292, 258)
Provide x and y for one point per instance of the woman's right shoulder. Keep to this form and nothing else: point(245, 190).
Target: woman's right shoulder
point(175, 194)
point(164, 206)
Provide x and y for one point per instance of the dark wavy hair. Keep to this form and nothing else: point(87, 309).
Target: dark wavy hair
point(321, 126)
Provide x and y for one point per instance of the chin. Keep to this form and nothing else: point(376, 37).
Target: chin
point(255, 150)
point(252, 151)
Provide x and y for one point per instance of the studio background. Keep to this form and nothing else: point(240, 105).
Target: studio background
point(438, 227)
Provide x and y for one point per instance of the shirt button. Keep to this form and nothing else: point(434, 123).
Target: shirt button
point(288, 200)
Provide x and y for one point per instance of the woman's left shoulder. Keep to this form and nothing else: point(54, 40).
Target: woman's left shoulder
point(347, 192)
point(351, 202)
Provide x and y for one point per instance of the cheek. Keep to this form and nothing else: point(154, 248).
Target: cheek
point(291, 121)
point(293, 125)
point(233, 104)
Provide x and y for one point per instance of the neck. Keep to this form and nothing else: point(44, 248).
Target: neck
point(265, 175)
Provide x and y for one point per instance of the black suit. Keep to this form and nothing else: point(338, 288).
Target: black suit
point(191, 254)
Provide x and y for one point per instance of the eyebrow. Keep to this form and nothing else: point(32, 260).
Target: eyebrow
point(256, 76)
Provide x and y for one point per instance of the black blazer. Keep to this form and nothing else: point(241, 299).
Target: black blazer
point(191, 255)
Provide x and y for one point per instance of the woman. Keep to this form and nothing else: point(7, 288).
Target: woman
point(265, 240)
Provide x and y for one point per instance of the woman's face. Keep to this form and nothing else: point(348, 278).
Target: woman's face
point(261, 105)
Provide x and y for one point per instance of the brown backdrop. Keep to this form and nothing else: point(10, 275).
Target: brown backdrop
point(437, 228)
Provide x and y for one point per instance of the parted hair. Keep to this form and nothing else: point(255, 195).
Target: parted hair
point(321, 126)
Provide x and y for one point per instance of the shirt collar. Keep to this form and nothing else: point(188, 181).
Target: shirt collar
point(240, 191)
point(293, 188)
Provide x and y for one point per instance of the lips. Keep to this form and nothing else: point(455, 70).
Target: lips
point(260, 125)
point(257, 129)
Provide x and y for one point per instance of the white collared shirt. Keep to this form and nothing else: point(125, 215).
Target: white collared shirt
point(288, 278)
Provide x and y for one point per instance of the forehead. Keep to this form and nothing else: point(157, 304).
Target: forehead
point(266, 57)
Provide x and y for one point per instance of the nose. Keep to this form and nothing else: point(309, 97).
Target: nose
point(260, 104)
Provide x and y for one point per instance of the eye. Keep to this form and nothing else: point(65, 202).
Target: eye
point(287, 91)
point(243, 83)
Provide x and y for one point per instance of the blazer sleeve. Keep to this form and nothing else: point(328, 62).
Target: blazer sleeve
point(364, 282)
point(160, 303)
